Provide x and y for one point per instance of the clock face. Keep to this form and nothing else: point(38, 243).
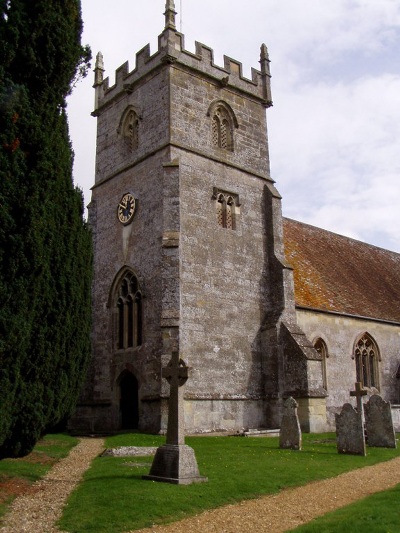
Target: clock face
point(126, 208)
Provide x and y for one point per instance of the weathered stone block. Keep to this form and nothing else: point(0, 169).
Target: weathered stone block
point(379, 423)
point(290, 432)
point(350, 431)
point(175, 464)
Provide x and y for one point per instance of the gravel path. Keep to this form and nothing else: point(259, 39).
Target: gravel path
point(292, 507)
point(38, 510)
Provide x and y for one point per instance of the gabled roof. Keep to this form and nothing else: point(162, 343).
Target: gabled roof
point(339, 274)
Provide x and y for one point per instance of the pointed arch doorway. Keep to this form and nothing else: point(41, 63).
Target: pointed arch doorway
point(129, 401)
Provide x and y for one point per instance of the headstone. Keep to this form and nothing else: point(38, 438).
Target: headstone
point(350, 436)
point(379, 423)
point(175, 462)
point(290, 433)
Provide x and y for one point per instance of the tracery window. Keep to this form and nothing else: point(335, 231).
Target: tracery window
point(129, 313)
point(222, 131)
point(223, 123)
point(367, 361)
point(322, 349)
point(227, 208)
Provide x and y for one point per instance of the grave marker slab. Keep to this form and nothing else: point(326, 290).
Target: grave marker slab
point(350, 431)
point(379, 423)
point(290, 433)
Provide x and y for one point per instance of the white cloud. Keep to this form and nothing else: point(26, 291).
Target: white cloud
point(342, 170)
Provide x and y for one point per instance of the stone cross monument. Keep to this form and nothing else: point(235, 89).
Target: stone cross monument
point(176, 373)
point(175, 462)
point(359, 393)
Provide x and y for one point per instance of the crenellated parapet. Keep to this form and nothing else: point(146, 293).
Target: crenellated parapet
point(171, 50)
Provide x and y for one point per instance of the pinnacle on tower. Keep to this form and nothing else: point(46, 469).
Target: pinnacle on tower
point(266, 75)
point(98, 78)
point(98, 70)
point(264, 60)
point(170, 15)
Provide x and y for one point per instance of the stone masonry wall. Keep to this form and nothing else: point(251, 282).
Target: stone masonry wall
point(340, 334)
point(223, 277)
point(223, 272)
point(119, 246)
point(150, 99)
point(191, 98)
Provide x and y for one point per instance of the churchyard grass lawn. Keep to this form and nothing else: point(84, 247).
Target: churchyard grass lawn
point(378, 513)
point(114, 498)
point(16, 475)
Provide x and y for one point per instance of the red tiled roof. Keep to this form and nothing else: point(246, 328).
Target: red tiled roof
point(336, 273)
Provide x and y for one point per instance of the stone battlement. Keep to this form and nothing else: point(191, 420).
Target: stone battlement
point(171, 50)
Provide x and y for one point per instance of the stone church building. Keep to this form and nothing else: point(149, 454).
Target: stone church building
point(192, 255)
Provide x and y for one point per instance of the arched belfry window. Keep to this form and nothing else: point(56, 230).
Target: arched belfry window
point(223, 123)
point(128, 313)
point(129, 128)
point(366, 355)
point(227, 208)
point(320, 346)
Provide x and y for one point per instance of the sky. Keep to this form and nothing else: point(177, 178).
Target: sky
point(334, 128)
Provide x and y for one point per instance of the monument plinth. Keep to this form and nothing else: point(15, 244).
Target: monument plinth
point(175, 462)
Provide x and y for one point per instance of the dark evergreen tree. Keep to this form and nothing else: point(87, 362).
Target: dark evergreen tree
point(45, 245)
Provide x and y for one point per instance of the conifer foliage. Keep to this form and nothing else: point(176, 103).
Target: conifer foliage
point(45, 245)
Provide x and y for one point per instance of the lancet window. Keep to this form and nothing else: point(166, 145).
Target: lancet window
point(366, 356)
point(322, 349)
point(129, 129)
point(129, 313)
point(227, 208)
point(223, 124)
point(222, 129)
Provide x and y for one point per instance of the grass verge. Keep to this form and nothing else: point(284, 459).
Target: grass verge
point(114, 498)
point(17, 475)
point(378, 513)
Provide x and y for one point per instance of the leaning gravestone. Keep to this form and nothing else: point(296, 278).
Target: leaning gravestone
point(350, 431)
point(379, 423)
point(290, 433)
point(175, 462)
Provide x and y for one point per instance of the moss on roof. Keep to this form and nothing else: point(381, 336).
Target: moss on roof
point(343, 275)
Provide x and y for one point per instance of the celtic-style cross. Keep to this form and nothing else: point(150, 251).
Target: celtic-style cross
point(359, 393)
point(176, 373)
point(175, 462)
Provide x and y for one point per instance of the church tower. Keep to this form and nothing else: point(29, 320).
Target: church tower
point(188, 252)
